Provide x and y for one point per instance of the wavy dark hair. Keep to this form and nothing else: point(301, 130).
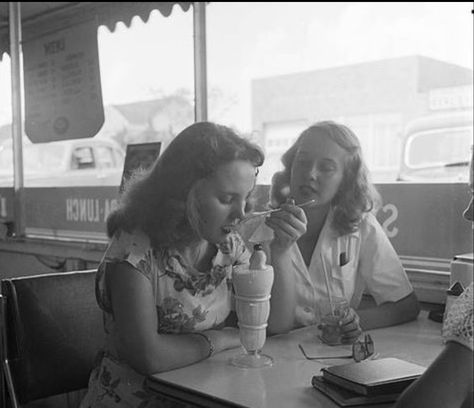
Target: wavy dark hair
point(356, 194)
point(156, 200)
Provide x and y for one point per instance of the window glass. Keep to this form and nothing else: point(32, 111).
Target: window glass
point(104, 157)
point(438, 155)
point(37, 158)
point(275, 68)
point(6, 160)
point(83, 158)
point(119, 158)
point(279, 67)
point(42, 158)
point(147, 76)
point(147, 80)
point(5, 99)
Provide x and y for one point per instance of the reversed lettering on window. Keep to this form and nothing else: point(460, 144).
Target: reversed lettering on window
point(89, 209)
point(388, 224)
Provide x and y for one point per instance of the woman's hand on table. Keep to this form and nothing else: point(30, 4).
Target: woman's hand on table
point(350, 327)
point(224, 339)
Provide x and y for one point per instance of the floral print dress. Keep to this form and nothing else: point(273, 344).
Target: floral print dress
point(186, 299)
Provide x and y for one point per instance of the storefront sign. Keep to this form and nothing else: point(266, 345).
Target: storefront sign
point(451, 98)
point(421, 220)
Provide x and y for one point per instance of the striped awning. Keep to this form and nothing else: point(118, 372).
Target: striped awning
point(38, 16)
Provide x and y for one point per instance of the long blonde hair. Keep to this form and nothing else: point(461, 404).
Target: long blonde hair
point(356, 194)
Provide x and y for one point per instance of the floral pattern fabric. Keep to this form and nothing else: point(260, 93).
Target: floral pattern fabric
point(187, 300)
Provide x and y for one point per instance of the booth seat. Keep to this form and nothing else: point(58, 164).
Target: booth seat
point(51, 333)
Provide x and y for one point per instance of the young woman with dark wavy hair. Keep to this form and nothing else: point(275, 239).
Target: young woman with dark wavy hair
point(336, 242)
point(164, 282)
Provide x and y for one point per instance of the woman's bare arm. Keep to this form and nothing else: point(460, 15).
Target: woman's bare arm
point(447, 382)
point(283, 300)
point(288, 226)
point(390, 313)
point(139, 342)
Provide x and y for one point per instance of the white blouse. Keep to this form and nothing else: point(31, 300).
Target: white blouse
point(364, 260)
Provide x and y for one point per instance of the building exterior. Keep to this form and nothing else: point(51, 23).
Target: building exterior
point(375, 99)
point(156, 120)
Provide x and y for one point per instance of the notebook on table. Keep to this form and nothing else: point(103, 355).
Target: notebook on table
point(346, 398)
point(374, 377)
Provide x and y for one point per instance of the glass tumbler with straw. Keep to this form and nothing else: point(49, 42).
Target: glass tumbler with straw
point(331, 312)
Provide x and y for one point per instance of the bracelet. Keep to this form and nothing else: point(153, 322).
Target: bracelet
point(212, 349)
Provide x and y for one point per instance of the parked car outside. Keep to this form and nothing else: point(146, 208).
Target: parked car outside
point(76, 162)
point(437, 148)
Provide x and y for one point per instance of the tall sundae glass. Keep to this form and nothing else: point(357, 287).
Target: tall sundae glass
point(252, 288)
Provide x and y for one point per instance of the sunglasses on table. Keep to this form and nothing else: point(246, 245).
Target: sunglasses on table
point(361, 350)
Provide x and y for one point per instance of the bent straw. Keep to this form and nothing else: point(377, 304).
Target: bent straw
point(326, 278)
point(259, 214)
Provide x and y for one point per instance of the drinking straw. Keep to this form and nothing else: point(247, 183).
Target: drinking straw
point(326, 277)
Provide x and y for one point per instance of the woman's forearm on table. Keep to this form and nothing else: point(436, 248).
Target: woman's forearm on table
point(137, 340)
point(170, 351)
point(390, 313)
point(283, 299)
point(447, 382)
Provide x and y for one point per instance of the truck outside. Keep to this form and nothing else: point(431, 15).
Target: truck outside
point(436, 148)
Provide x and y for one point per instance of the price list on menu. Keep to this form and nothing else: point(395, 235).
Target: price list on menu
point(63, 98)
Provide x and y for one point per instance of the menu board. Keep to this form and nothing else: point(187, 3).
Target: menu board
point(63, 97)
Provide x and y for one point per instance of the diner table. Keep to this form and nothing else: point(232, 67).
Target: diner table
point(214, 383)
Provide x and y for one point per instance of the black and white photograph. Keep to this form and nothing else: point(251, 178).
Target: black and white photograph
point(236, 204)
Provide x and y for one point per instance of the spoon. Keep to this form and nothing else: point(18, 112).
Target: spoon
point(262, 213)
